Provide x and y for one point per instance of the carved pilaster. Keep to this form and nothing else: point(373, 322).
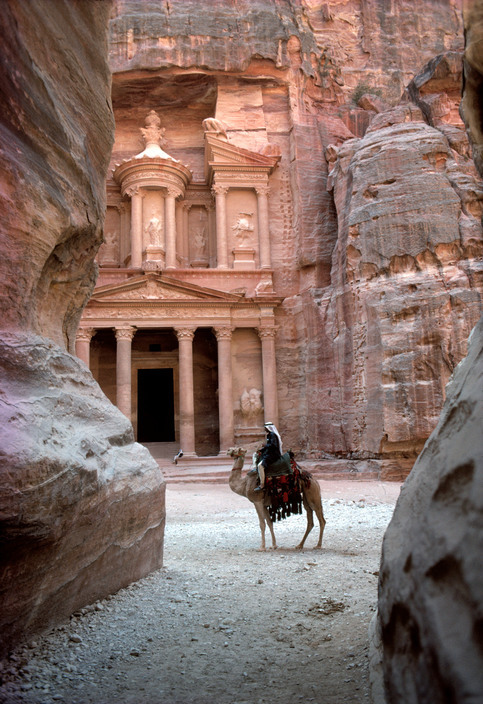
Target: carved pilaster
point(270, 395)
point(221, 237)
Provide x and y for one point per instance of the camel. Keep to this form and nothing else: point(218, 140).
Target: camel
point(245, 486)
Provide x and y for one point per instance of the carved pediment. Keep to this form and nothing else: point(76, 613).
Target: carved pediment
point(156, 287)
point(220, 153)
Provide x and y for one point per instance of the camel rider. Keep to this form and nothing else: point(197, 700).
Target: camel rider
point(270, 453)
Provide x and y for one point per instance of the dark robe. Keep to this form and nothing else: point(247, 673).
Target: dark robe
point(270, 452)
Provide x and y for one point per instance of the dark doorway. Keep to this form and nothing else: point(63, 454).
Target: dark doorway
point(155, 405)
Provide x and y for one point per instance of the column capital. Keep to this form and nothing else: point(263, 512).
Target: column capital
point(125, 333)
point(267, 331)
point(172, 192)
point(262, 190)
point(85, 334)
point(223, 332)
point(185, 333)
point(219, 190)
point(135, 191)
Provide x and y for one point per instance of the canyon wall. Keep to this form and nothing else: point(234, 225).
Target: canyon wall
point(374, 207)
point(81, 505)
point(426, 636)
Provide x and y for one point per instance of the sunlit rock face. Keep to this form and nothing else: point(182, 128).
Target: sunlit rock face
point(406, 274)
point(374, 206)
point(81, 505)
point(429, 626)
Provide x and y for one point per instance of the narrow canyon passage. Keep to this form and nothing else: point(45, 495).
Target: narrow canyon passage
point(222, 623)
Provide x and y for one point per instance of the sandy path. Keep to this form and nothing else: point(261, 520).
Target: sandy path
point(222, 623)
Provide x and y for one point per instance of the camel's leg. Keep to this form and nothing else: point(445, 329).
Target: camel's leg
point(270, 527)
point(320, 516)
point(261, 520)
point(310, 525)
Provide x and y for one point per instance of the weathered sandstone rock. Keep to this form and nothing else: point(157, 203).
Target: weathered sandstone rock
point(406, 277)
point(426, 637)
point(381, 284)
point(81, 505)
point(430, 591)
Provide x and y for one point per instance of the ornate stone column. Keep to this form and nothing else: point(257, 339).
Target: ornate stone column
point(124, 336)
point(124, 236)
point(270, 396)
point(170, 218)
point(83, 343)
point(186, 394)
point(136, 227)
point(225, 388)
point(221, 241)
point(263, 227)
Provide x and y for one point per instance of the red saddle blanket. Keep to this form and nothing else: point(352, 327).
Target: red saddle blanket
point(284, 492)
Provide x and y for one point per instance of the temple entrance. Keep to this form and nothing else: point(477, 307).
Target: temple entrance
point(155, 405)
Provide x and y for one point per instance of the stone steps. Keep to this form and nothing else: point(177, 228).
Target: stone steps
point(217, 470)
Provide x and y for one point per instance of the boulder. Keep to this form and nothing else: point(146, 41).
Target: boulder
point(430, 590)
point(81, 505)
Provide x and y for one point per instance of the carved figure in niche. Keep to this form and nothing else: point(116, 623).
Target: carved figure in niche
point(108, 252)
point(154, 230)
point(243, 227)
point(251, 403)
point(211, 124)
point(199, 243)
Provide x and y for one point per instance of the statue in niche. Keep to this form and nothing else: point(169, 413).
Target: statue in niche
point(108, 251)
point(154, 230)
point(251, 403)
point(243, 228)
point(199, 243)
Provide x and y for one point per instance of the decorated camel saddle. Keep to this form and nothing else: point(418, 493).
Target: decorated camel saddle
point(283, 488)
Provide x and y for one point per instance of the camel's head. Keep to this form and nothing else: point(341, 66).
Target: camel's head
point(236, 452)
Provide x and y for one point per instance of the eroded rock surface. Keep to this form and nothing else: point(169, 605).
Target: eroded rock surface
point(426, 640)
point(374, 207)
point(407, 277)
point(82, 506)
point(430, 593)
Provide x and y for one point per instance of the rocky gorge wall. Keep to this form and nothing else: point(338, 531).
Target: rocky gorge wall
point(427, 635)
point(81, 505)
point(374, 208)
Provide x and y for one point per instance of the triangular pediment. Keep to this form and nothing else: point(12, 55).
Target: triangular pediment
point(222, 153)
point(157, 287)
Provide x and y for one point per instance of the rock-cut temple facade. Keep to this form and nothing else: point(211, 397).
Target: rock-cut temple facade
point(180, 330)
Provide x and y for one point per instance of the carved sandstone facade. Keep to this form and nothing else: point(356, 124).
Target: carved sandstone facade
point(183, 313)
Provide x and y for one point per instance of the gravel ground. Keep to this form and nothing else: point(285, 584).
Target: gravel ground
point(223, 623)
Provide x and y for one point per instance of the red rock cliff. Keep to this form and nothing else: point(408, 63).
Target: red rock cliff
point(379, 263)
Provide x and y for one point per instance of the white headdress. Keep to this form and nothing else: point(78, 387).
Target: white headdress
point(272, 429)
